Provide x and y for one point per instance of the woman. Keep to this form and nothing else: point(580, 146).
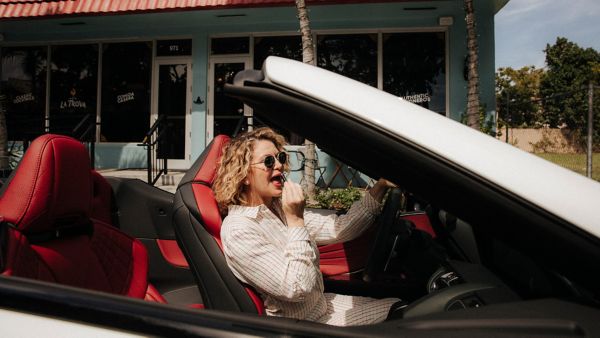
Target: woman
point(270, 241)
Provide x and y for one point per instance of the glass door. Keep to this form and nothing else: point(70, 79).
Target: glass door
point(172, 102)
point(226, 115)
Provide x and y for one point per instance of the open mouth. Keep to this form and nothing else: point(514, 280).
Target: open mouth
point(278, 178)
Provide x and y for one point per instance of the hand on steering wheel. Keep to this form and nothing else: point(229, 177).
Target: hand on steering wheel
point(382, 245)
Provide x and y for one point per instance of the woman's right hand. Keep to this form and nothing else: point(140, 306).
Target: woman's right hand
point(292, 201)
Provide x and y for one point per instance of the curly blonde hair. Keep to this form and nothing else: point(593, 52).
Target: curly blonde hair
point(234, 166)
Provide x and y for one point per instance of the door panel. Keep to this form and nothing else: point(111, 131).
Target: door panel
point(144, 212)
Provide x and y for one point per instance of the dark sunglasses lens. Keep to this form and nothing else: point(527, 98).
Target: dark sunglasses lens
point(269, 161)
point(282, 157)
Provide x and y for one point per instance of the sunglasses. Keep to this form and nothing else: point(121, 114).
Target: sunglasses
point(269, 161)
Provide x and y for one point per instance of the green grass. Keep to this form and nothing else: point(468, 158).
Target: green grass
point(575, 162)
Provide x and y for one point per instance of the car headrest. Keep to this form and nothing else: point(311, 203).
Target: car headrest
point(51, 188)
point(205, 168)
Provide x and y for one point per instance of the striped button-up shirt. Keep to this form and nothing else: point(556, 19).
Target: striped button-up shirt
point(282, 263)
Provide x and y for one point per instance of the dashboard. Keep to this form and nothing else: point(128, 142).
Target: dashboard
point(460, 285)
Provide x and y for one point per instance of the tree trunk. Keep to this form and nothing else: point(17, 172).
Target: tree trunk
point(4, 162)
point(472, 66)
point(308, 56)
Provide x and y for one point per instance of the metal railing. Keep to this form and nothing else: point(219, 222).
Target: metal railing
point(157, 164)
point(85, 132)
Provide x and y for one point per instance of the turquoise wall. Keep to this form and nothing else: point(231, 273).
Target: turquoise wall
point(200, 25)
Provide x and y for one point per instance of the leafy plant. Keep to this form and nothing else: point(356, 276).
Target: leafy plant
point(544, 145)
point(338, 199)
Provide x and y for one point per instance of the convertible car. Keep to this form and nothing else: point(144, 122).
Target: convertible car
point(479, 239)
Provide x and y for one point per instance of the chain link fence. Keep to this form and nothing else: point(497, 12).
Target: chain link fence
point(575, 148)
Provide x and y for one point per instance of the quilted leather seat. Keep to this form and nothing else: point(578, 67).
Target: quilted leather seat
point(49, 233)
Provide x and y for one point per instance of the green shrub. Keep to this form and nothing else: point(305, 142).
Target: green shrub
point(338, 199)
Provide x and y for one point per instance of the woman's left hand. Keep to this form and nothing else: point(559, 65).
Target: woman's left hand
point(386, 183)
point(380, 188)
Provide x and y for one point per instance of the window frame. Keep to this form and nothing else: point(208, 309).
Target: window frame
point(378, 31)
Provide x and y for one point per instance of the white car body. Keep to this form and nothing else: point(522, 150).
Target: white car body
point(564, 193)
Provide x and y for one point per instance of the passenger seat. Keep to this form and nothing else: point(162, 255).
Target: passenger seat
point(49, 233)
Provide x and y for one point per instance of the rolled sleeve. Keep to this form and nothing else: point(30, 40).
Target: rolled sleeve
point(370, 205)
point(298, 234)
point(327, 229)
point(286, 275)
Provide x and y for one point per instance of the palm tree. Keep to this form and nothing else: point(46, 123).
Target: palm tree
point(308, 56)
point(472, 66)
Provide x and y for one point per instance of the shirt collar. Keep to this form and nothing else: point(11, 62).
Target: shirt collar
point(247, 211)
point(255, 211)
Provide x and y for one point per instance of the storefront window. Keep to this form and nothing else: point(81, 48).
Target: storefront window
point(351, 55)
point(172, 96)
point(414, 68)
point(229, 111)
point(73, 86)
point(126, 75)
point(285, 46)
point(222, 46)
point(23, 90)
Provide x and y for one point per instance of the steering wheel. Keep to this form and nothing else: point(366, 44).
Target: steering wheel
point(383, 245)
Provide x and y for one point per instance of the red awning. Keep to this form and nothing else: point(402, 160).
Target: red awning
point(46, 8)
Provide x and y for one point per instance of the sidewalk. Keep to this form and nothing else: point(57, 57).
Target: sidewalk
point(167, 182)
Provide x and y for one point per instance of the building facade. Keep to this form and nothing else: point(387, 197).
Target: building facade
point(124, 64)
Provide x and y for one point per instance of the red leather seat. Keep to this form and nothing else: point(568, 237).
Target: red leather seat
point(50, 235)
point(197, 224)
point(102, 199)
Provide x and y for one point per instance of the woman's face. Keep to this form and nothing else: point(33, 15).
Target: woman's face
point(263, 183)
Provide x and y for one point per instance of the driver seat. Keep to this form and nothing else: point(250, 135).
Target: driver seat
point(197, 224)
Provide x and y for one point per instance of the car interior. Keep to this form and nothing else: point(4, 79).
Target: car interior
point(461, 252)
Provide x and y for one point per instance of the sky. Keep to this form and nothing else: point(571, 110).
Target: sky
point(524, 27)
